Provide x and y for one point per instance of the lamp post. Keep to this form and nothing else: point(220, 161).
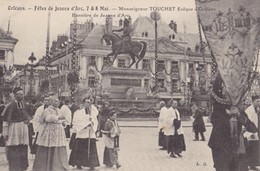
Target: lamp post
point(183, 84)
point(31, 58)
point(155, 16)
point(202, 79)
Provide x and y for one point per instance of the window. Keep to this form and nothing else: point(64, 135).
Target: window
point(175, 69)
point(146, 64)
point(91, 81)
point(2, 54)
point(105, 60)
point(92, 60)
point(121, 63)
point(146, 34)
point(191, 69)
point(161, 65)
point(161, 83)
point(146, 83)
point(175, 88)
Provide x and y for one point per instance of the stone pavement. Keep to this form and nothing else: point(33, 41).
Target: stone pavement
point(139, 150)
point(152, 122)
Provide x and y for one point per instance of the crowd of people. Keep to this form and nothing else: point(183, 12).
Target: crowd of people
point(47, 128)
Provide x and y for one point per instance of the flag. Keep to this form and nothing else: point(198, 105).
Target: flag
point(232, 29)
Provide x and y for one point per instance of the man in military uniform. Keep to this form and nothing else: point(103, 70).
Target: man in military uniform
point(126, 42)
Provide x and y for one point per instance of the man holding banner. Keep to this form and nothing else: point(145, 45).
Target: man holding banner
point(232, 31)
point(227, 156)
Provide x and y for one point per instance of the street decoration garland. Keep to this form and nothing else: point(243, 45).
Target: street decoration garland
point(134, 109)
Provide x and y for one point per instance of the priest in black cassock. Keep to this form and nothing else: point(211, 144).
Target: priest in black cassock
point(16, 118)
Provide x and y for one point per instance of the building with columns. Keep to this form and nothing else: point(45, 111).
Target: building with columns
point(178, 63)
point(7, 46)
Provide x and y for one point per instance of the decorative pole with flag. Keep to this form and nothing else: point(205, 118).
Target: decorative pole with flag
point(74, 42)
point(73, 76)
point(47, 48)
point(45, 83)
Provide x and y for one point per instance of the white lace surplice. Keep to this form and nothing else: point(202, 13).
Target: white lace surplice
point(52, 132)
point(17, 133)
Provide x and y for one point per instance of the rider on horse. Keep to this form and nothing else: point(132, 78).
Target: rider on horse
point(126, 37)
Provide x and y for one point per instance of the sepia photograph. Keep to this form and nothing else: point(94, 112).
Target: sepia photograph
point(129, 85)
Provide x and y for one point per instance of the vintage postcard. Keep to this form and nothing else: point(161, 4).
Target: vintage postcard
point(178, 74)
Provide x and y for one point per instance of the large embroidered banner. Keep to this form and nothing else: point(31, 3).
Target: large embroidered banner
point(232, 28)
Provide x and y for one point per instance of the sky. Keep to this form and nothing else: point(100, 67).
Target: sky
point(29, 25)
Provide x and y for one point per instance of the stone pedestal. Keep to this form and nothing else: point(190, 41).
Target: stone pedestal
point(124, 83)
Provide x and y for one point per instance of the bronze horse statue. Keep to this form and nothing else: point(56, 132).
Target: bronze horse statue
point(138, 49)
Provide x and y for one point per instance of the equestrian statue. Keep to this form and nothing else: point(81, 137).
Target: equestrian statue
point(124, 45)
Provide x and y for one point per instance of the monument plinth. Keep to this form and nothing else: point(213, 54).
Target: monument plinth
point(125, 83)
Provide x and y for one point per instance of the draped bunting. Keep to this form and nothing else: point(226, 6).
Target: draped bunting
point(232, 29)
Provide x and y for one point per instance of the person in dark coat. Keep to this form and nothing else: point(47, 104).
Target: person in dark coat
point(73, 109)
point(226, 155)
point(103, 116)
point(2, 106)
point(198, 124)
point(32, 108)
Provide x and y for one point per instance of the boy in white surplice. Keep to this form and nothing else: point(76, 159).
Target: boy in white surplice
point(111, 131)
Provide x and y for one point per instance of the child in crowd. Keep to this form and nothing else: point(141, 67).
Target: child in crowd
point(111, 131)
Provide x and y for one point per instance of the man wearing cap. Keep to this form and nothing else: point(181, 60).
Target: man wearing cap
point(253, 138)
point(16, 118)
